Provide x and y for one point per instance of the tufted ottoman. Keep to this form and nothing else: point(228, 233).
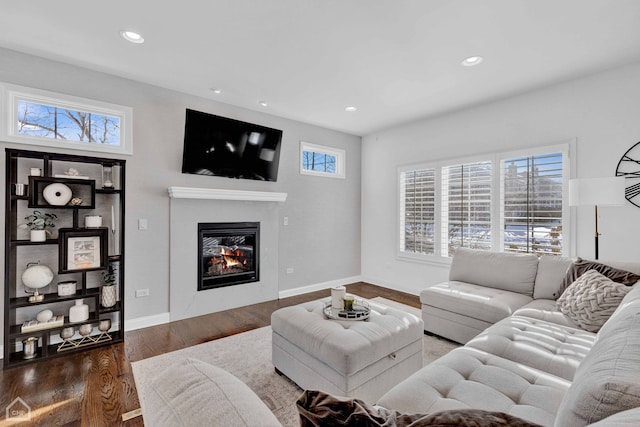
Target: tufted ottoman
point(349, 358)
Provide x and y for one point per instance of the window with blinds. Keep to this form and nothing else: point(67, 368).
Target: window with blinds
point(466, 207)
point(510, 201)
point(417, 211)
point(532, 203)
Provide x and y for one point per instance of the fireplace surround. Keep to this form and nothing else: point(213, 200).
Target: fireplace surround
point(228, 254)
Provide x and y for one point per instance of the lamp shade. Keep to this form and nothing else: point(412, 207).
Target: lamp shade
point(606, 191)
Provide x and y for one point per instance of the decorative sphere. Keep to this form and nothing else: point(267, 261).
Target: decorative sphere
point(44, 316)
point(37, 276)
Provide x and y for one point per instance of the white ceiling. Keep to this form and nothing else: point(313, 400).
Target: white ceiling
point(395, 60)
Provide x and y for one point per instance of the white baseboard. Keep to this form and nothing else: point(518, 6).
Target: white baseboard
point(145, 322)
point(389, 285)
point(318, 286)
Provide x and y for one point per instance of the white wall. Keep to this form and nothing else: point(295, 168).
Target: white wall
point(601, 112)
point(324, 210)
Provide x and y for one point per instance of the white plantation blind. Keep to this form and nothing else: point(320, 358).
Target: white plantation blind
point(532, 203)
point(417, 211)
point(466, 207)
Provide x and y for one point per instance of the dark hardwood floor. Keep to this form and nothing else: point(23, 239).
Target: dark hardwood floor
point(96, 387)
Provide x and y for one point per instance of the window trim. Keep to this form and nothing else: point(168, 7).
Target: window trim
point(567, 148)
point(338, 153)
point(11, 94)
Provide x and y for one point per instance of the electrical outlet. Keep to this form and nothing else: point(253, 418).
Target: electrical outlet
point(142, 293)
point(290, 270)
point(142, 224)
point(285, 220)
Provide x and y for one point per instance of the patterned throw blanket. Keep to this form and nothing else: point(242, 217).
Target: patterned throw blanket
point(318, 409)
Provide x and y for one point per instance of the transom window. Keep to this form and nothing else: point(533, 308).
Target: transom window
point(511, 202)
point(56, 120)
point(321, 161)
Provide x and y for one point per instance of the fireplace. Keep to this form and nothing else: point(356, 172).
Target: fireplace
point(228, 254)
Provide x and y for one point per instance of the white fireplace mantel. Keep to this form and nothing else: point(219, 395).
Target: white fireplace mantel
point(223, 194)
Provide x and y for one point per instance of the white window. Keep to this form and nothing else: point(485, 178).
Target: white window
point(533, 203)
point(51, 119)
point(319, 160)
point(466, 206)
point(504, 202)
point(417, 211)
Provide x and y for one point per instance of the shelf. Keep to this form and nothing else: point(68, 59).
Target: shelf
point(113, 309)
point(223, 194)
point(107, 191)
point(30, 243)
point(15, 358)
point(15, 332)
point(80, 188)
point(73, 241)
point(51, 298)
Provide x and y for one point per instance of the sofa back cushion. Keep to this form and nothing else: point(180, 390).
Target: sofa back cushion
point(551, 272)
point(499, 270)
point(608, 379)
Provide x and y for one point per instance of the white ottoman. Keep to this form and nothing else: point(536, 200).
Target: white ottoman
point(352, 358)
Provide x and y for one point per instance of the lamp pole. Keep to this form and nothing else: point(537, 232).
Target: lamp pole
point(597, 234)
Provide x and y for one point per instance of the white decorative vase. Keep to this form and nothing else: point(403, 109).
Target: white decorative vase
point(108, 297)
point(79, 312)
point(38, 235)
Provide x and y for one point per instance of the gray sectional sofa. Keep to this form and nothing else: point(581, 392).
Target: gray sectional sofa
point(523, 356)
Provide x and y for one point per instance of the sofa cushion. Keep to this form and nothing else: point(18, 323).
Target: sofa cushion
point(628, 418)
point(193, 393)
point(551, 272)
point(319, 409)
point(591, 300)
point(552, 348)
point(581, 266)
point(500, 270)
point(608, 380)
point(476, 301)
point(547, 310)
point(469, 378)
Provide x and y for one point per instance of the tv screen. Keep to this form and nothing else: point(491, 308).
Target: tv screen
point(220, 146)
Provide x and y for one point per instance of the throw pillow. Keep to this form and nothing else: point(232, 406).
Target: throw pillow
point(581, 266)
point(591, 300)
point(319, 409)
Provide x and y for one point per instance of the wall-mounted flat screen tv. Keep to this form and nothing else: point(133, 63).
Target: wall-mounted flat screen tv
point(220, 146)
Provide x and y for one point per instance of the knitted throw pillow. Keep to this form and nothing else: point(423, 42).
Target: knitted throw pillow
point(591, 300)
point(581, 266)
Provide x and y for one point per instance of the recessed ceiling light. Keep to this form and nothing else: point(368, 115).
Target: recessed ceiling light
point(132, 36)
point(472, 60)
point(350, 109)
point(263, 103)
point(216, 91)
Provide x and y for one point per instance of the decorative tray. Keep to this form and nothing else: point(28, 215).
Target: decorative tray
point(361, 311)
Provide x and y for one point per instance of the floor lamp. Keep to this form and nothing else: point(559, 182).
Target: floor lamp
point(607, 191)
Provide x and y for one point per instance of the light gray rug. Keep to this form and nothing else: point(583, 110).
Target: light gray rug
point(248, 357)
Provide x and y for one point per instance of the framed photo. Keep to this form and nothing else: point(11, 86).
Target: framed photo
point(82, 249)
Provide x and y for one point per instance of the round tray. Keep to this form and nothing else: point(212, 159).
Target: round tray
point(361, 311)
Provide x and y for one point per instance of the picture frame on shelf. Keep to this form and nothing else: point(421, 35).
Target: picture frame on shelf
point(82, 250)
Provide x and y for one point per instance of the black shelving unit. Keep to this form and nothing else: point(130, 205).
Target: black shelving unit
point(19, 250)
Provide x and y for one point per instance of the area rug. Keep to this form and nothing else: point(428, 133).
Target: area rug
point(248, 357)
